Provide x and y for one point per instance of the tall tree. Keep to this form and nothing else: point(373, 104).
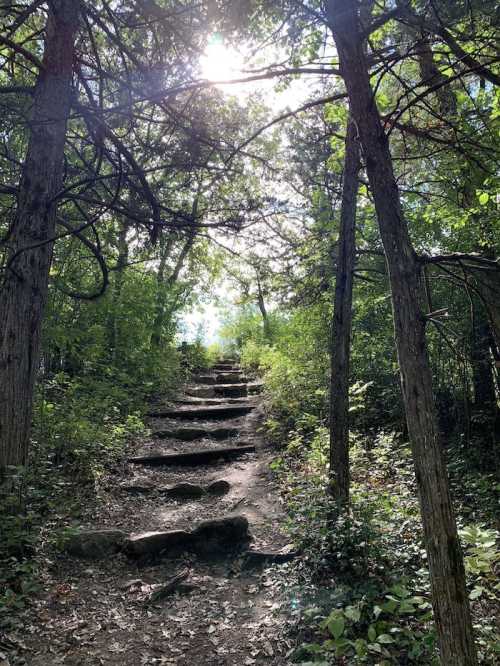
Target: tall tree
point(342, 323)
point(24, 288)
point(449, 593)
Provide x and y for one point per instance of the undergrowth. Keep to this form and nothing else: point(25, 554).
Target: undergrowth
point(365, 597)
point(81, 426)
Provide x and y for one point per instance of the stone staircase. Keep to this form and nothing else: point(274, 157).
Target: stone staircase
point(208, 432)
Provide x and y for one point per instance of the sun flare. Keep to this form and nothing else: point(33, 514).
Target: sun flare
point(220, 63)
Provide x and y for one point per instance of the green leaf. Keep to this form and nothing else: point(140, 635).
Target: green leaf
point(361, 647)
point(352, 613)
point(385, 639)
point(375, 647)
point(336, 625)
point(390, 606)
point(400, 591)
point(484, 197)
point(372, 634)
point(476, 592)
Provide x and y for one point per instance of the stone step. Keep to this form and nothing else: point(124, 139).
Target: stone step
point(184, 490)
point(231, 390)
point(220, 378)
point(204, 379)
point(211, 537)
point(203, 457)
point(222, 536)
point(193, 400)
point(204, 412)
point(225, 367)
point(231, 378)
point(189, 434)
point(222, 390)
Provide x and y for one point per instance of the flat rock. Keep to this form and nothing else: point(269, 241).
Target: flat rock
point(138, 487)
point(219, 401)
point(231, 378)
point(254, 388)
point(95, 544)
point(212, 537)
point(200, 391)
point(204, 379)
point(185, 490)
point(231, 390)
point(205, 411)
point(254, 558)
point(189, 434)
point(170, 543)
point(202, 457)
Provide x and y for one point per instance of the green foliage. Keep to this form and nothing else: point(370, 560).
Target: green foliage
point(82, 423)
point(482, 555)
point(195, 356)
point(385, 628)
point(243, 324)
point(19, 530)
point(372, 593)
point(295, 368)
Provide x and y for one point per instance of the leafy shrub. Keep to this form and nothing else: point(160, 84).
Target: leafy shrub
point(370, 598)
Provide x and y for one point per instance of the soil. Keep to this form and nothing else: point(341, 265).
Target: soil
point(95, 612)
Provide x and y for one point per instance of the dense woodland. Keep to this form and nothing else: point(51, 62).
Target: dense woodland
point(356, 232)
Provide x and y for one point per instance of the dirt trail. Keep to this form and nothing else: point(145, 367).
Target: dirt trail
point(227, 610)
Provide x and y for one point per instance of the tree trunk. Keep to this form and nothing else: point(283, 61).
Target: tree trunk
point(342, 324)
point(487, 283)
point(449, 593)
point(116, 292)
point(482, 371)
point(163, 312)
point(263, 311)
point(24, 290)
point(160, 305)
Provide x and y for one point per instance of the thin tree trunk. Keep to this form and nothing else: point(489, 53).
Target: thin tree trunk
point(162, 311)
point(24, 290)
point(342, 324)
point(263, 311)
point(449, 593)
point(116, 292)
point(482, 370)
point(488, 285)
point(160, 305)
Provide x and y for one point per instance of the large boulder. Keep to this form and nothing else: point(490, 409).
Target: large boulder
point(221, 536)
point(95, 544)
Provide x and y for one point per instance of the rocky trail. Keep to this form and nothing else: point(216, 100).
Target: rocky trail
point(183, 560)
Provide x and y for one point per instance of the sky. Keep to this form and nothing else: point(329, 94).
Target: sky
point(221, 63)
point(206, 319)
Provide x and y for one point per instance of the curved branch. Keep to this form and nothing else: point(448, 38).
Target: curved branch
point(100, 260)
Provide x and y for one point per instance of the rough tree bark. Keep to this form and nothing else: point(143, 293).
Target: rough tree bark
point(24, 289)
point(449, 594)
point(342, 324)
